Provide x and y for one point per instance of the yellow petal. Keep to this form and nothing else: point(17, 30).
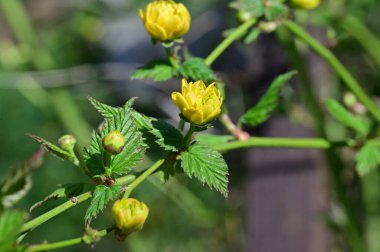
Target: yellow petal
point(141, 14)
point(193, 115)
point(179, 100)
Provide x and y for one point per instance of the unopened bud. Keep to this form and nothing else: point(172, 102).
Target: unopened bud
point(244, 15)
point(67, 142)
point(114, 142)
point(305, 4)
point(349, 100)
point(129, 215)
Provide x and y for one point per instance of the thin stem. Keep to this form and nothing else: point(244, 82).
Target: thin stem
point(338, 67)
point(67, 205)
point(233, 129)
point(364, 36)
point(67, 243)
point(173, 61)
point(142, 177)
point(269, 142)
point(336, 166)
point(189, 135)
point(54, 212)
point(181, 124)
point(236, 34)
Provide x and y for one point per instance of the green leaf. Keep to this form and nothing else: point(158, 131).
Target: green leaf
point(253, 7)
point(66, 190)
point(10, 225)
point(101, 197)
point(17, 183)
point(359, 124)
point(133, 151)
point(207, 165)
point(105, 110)
point(143, 122)
point(55, 150)
point(168, 137)
point(252, 35)
point(158, 70)
point(368, 158)
point(92, 155)
point(213, 140)
point(263, 109)
point(277, 10)
point(196, 69)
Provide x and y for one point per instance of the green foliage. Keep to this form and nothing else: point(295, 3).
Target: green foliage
point(361, 125)
point(196, 69)
point(158, 70)
point(213, 140)
point(168, 137)
point(105, 110)
point(252, 35)
point(10, 225)
point(101, 197)
point(271, 10)
point(17, 183)
point(254, 7)
point(207, 165)
point(263, 109)
point(55, 150)
point(367, 158)
point(277, 10)
point(66, 190)
point(143, 122)
point(120, 119)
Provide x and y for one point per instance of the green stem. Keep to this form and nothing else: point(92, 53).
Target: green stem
point(269, 142)
point(173, 61)
point(67, 205)
point(181, 124)
point(142, 177)
point(54, 212)
point(364, 36)
point(189, 135)
point(67, 243)
point(352, 230)
point(236, 34)
point(338, 67)
point(299, 64)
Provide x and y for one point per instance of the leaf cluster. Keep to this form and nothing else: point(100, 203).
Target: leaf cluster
point(192, 69)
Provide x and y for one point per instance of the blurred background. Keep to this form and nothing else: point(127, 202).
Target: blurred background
point(54, 54)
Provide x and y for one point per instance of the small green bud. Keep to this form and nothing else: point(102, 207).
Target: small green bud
point(349, 100)
point(67, 142)
point(114, 142)
point(129, 215)
point(243, 15)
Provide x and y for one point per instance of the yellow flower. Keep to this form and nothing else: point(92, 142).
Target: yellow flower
point(129, 215)
point(165, 20)
point(305, 4)
point(198, 104)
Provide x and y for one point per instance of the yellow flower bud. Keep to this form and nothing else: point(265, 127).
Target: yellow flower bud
point(305, 4)
point(198, 104)
point(114, 142)
point(129, 215)
point(166, 20)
